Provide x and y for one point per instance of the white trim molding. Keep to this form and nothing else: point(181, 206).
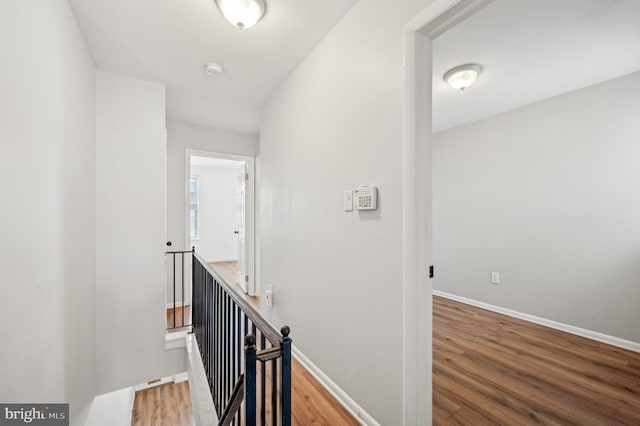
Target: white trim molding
point(419, 32)
point(204, 411)
point(589, 334)
point(251, 239)
point(340, 395)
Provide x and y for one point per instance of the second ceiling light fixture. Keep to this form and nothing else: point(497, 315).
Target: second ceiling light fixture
point(242, 14)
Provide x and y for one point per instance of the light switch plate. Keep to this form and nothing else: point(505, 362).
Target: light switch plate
point(269, 296)
point(348, 200)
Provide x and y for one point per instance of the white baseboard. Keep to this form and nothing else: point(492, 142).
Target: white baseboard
point(160, 381)
point(181, 377)
point(341, 396)
point(176, 378)
point(589, 334)
point(222, 260)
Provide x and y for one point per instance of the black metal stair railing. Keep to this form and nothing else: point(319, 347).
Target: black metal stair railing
point(247, 361)
point(178, 266)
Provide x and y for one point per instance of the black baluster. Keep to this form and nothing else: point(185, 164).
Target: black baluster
point(263, 384)
point(233, 347)
point(229, 351)
point(182, 282)
point(274, 391)
point(220, 346)
point(174, 290)
point(239, 355)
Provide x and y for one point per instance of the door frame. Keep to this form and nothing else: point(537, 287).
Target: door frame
point(419, 34)
point(250, 209)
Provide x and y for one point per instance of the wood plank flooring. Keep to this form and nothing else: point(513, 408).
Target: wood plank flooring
point(491, 369)
point(164, 405)
point(312, 404)
point(177, 325)
point(488, 369)
point(228, 271)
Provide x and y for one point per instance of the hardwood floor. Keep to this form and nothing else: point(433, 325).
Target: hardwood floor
point(312, 404)
point(229, 272)
point(491, 369)
point(177, 326)
point(488, 369)
point(164, 405)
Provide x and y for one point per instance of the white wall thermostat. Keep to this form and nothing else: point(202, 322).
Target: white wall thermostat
point(365, 198)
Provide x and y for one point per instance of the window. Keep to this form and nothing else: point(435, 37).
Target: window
point(194, 201)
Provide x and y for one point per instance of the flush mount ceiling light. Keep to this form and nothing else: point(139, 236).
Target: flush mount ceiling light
point(242, 13)
point(463, 76)
point(213, 69)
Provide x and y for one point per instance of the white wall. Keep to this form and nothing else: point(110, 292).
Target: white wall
point(180, 137)
point(335, 123)
point(218, 213)
point(47, 82)
point(130, 233)
point(547, 195)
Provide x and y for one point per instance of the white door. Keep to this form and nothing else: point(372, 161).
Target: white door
point(241, 228)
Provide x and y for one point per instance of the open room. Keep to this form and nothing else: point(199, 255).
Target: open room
point(535, 215)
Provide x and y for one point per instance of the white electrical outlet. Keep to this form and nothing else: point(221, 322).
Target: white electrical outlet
point(495, 278)
point(269, 296)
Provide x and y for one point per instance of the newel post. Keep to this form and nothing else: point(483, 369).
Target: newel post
point(250, 360)
point(285, 350)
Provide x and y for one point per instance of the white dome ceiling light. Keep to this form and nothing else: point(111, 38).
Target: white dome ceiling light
point(242, 14)
point(463, 76)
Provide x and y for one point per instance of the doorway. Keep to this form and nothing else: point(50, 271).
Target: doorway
point(220, 217)
point(537, 217)
point(419, 34)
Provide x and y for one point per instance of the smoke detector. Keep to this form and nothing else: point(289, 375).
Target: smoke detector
point(213, 69)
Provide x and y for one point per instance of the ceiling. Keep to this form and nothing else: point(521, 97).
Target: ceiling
point(170, 41)
point(533, 50)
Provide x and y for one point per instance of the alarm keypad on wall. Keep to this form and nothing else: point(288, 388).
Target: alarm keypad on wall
point(365, 198)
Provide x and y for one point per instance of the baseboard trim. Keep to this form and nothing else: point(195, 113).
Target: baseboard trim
point(341, 396)
point(589, 334)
